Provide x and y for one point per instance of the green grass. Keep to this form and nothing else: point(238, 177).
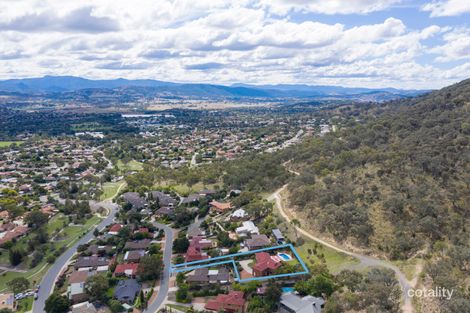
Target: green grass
point(55, 222)
point(185, 190)
point(110, 189)
point(9, 143)
point(71, 235)
point(181, 308)
point(408, 267)
point(335, 261)
point(132, 165)
point(25, 305)
point(182, 189)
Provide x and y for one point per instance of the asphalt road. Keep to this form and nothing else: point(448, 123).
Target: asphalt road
point(164, 282)
point(48, 281)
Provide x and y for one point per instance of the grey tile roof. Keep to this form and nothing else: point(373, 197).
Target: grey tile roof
point(127, 290)
point(297, 304)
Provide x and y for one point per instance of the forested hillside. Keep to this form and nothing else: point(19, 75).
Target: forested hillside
point(397, 183)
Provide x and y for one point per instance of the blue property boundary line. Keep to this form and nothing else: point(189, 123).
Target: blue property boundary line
point(183, 267)
point(235, 255)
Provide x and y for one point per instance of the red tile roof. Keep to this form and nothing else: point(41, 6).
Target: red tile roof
point(194, 252)
point(265, 262)
point(233, 302)
point(16, 232)
point(129, 269)
point(143, 230)
point(220, 206)
point(115, 228)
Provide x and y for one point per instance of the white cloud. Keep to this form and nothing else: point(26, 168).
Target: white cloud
point(456, 46)
point(283, 7)
point(447, 7)
point(253, 41)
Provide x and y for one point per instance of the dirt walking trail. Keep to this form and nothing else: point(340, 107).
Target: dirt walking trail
point(365, 260)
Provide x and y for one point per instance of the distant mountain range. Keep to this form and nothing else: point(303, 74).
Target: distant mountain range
point(58, 86)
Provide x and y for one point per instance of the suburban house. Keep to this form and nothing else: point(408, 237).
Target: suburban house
point(100, 250)
point(191, 199)
point(164, 200)
point(114, 230)
point(220, 207)
point(247, 228)
point(196, 245)
point(138, 244)
point(134, 199)
point(142, 230)
point(85, 307)
point(126, 291)
point(50, 210)
point(76, 292)
point(265, 264)
point(79, 276)
point(278, 236)
point(91, 262)
point(257, 242)
point(16, 232)
point(230, 303)
point(201, 242)
point(127, 269)
point(133, 256)
point(238, 215)
point(206, 276)
point(292, 303)
point(195, 254)
point(165, 212)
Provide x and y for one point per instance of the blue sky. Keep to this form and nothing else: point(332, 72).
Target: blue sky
point(380, 43)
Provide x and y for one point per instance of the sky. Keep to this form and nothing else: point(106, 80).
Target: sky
point(408, 44)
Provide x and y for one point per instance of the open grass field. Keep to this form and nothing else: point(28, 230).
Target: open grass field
point(183, 189)
point(9, 143)
point(110, 189)
point(67, 237)
point(132, 165)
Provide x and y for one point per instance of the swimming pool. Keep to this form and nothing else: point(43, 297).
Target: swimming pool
point(284, 256)
point(287, 289)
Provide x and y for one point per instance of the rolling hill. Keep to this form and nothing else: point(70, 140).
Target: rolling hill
point(68, 86)
point(396, 184)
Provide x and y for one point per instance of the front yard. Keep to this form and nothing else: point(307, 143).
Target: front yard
point(66, 237)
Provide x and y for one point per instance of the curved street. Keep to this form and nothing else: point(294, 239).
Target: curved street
point(164, 281)
point(48, 281)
